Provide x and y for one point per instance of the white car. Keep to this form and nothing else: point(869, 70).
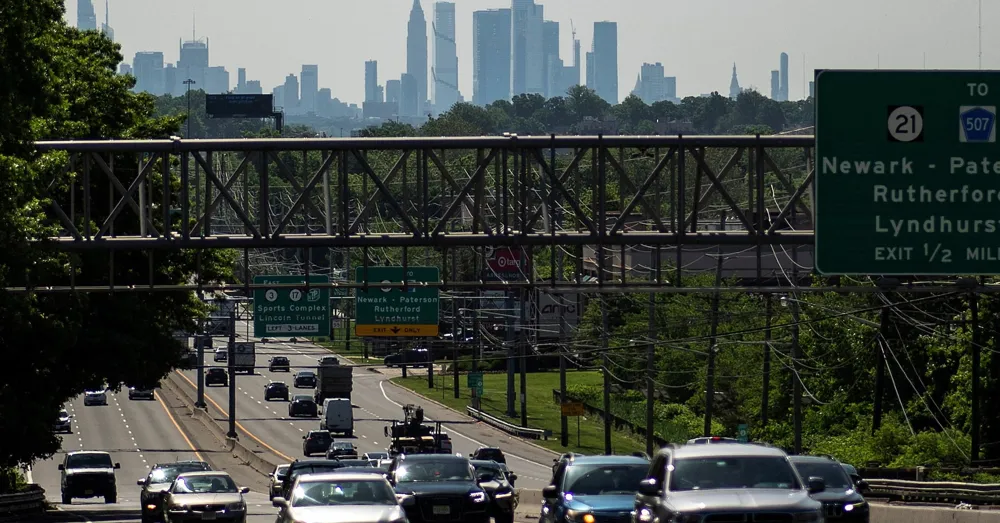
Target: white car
point(95, 397)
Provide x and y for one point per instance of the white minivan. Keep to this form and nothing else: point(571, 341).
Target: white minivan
point(338, 416)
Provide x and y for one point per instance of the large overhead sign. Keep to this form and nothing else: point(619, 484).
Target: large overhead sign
point(284, 312)
point(907, 172)
point(389, 311)
point(239, 105)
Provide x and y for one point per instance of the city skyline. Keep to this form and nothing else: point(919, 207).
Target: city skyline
point(706, 71)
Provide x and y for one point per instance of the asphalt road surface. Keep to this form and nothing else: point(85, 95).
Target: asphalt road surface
point(376, 403)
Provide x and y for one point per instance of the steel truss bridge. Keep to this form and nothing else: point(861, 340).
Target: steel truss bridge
point(622, 208)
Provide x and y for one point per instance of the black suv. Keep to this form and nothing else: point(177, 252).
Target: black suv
point(706, 482)
point(841, 501)
point(342, 450)
point(158, 481)
point(279, 363)
point(88, 474)
point(305, 379)
point(444, 488)
point(216, 376)
point(316, 442)
point(493, 478)
point(275, 390)
point(303, 467)
point(303, 405)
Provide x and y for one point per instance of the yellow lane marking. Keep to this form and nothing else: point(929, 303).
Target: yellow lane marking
point(178, 427)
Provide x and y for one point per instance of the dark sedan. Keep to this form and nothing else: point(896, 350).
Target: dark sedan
point(216, 376)
point(303, 405)
point(158, 481)
point(841, 502)
point(305, 380)
point(316, 441)
point(279, 364)
point(276, 391)
point(493, 478)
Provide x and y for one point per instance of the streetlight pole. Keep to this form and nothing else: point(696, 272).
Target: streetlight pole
point(189, 82)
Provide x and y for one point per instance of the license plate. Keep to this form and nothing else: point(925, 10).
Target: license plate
point(88, 492)
point(208, 515)
point(442, 510)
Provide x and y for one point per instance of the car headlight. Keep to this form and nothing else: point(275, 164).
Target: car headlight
point(236, 506)
point(807, 517)
point(176, 506)
point(478, 497)
point(851, 507)
point(578, 516)
point(502, 495)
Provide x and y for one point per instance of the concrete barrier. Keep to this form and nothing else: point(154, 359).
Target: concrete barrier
point(529, 498)
point(896, 514)
point(250, 458)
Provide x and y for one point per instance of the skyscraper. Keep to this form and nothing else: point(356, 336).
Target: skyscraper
point(551, 65)
point(445, 70)
point(491, 56)
point(106, 26)
point(310, 87)
point(605, 61)
point(86, 18)
point(527, 58)
point(416, 55)
point(290, 93)
point(371, 81)
point(393, 91)
point(784, 77)
point(734, 85)
point(148, 70)
point(241, 80)
point(192, 65)
point(408, 105)
point(775, 86)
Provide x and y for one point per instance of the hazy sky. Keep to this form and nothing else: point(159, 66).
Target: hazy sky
point(696, 40)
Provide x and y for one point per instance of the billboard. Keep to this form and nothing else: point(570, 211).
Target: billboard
point(505, 264)
point(239, 105)
point(555, 308)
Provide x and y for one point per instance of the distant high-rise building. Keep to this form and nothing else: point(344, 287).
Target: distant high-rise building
point(734, 85)
point(784, 77)
point(310, 86)
point(253, 87)
point(124, 69)
point(775, 86)
point(324, 102)
point(241, 80)
point(86, 18)
point(527, 40)
point(371, 81)
point(171, 85)
point(106, 26)
point(278, 93)
point(291, 94)
point(591, 70)
point(551, 64)
point(812, 89)
point(445, 70)
point(605, 51)
point(148, 70)
point(409, 96)
point(491, 68)
point(416, 54)
point(393, 91)
point(651, 85)
point(216, 80)
point(192, 64)
point(670, 89)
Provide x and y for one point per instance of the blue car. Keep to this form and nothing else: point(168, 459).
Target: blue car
point(593, 489)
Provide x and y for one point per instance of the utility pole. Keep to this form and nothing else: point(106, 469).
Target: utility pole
point(605, 365)
point(199, 341)
point(654, 277)
point(232, 375)
point(454, 332)
point(976, 364)
point(764, 402)
point(797, 383)
point(189, 82)
point(880, 369)
point(523, 363)
point(712, 348)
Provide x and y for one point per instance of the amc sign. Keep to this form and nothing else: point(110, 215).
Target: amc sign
point(554, 308)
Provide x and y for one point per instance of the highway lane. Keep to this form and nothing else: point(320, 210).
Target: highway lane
point(374, 400)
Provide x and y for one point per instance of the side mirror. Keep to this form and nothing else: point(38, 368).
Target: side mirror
point(512, 476)
point(386, 431)
point(62, 467)
point(408, 501)
point(303, 437)
point(648, 487)
point(550, 492)
point(141, 482)
point(279, 502)
point(118, 465)
point(816, 485)
point(862, 485)
point(244, 490)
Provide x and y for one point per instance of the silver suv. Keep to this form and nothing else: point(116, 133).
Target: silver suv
point(727, 483)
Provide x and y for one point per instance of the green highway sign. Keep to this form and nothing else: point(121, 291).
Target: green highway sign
point(284, 312)
point(743, 433)
point(475, 382)
point(388, 311)
point(906, 183)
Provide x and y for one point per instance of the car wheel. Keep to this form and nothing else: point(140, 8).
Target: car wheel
point(111, 498)
point(67, 500)
point(504, 518)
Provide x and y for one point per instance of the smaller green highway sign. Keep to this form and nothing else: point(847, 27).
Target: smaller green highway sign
point(475, 381)
point(284, 312)
point(907, 172)
point(388, 311)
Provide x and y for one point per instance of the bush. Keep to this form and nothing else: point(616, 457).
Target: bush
point(11, 480)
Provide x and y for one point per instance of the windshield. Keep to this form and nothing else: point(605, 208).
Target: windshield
point(444, 470)
point(489, 469)
point(169, 474)
point(320, 436)
point(832, 473)
point(281, 471)
point(343, 445)
point(356, 463)
point(63, 414)
point(732, 472)
point(313, 469)
point(377, 455)
point(89, 461)
point(214, 484)
point(350, 492)
point(302, 397)
point(595, 480)
point(306, 375)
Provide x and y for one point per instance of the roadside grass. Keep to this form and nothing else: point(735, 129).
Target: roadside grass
point(543, 411)
point(338, 345)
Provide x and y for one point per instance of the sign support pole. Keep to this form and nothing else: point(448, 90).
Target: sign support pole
point(232, 375)
point(199, 340)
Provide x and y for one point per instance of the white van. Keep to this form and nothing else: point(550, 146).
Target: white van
point(338, 416)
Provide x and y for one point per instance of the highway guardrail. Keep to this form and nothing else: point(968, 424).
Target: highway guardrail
point(514, 430)
point(933, 491)
point(17, 506)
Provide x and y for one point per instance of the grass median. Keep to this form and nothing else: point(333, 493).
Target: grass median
point(337, 344)
point(543, 412)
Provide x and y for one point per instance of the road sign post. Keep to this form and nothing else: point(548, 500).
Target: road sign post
point(284, 312)
point(743, 433)
point(388, 311)
point(577, 410)
point(906, 170)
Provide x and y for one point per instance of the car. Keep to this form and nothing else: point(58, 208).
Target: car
point(841, 500)
point(699, 482)
point(307, 466)
point(274, 480)
point(602, 486)
point(342, 450)
point(216, 376)
point(95, 397)
point(494, 479)
point(64, 423)
point(305, 379)
point(355, 463)
point(360, 497)
point(316, 441)
point(444, 488)
point(303, 405)
point(136, 393)
point(375, 458)
point(711, 439)
point(208, 495)
point(221, 354)
point(418, 358)
point(158, 481)
point(88, 474)
point(279, 364)
point(275, 390)
point(488, 454)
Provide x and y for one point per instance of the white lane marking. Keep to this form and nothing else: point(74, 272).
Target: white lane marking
point(381, 387)
point(75, 514)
